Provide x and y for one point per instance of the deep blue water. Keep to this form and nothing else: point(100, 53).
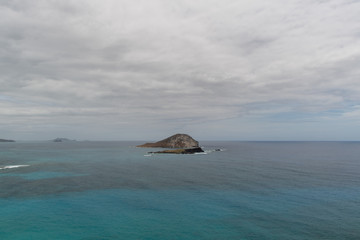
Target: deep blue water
point(110, 190)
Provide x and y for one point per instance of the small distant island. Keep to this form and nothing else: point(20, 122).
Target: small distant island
point(183, 143)
point(6, 140)
point(63, 140)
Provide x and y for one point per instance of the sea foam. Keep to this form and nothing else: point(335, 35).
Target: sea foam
point(13, 166)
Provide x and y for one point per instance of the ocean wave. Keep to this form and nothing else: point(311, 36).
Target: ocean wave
point(13, 166)
point(215, 150)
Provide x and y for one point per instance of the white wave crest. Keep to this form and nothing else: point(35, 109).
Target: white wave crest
point(13, 166)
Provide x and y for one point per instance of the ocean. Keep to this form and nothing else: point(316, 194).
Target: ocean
point(246, 191)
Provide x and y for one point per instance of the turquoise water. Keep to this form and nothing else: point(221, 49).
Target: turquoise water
point(110, 190)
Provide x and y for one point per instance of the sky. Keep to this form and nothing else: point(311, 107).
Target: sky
point(147, 69)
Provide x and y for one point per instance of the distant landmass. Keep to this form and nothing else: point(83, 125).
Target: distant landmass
point(176, 141)
point(62, 140)
point(6, 140)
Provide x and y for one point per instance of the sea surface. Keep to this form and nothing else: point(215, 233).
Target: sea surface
point(113, 190)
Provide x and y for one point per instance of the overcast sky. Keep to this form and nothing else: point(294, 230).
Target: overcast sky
point(146, 69)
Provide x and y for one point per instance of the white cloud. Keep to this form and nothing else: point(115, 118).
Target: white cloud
point(175, 64)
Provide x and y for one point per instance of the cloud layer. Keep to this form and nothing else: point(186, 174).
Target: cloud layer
point(117, 69)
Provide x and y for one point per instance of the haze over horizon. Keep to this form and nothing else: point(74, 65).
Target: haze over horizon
point(217, 70)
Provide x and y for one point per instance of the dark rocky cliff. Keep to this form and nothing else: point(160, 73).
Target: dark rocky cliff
point(182, 151)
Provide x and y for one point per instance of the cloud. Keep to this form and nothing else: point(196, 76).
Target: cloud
point(175, 64)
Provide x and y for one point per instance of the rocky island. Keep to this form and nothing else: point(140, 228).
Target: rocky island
point(183, 143)
point(176, 141)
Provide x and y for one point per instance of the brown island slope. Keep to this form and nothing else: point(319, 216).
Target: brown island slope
point(183, 143)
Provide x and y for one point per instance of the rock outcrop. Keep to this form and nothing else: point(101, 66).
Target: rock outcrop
point(182, 151)
point(6, 140)
point(175, 141)
point(62, 140)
